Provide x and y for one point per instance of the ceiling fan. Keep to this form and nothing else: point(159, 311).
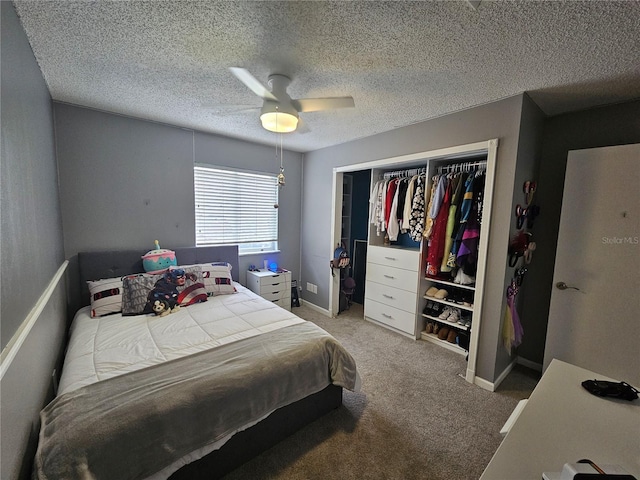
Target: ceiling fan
point(279, 111)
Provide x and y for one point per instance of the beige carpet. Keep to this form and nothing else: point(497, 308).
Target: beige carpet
point(415, 417)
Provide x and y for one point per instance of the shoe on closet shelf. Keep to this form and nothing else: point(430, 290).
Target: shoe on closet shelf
point(436, 328)
point(463, 279)
point(429, 327)
point(431, 292)
point(465, 321)
point(445, 313)
point(454, 315)
point(436, 309)
point(443, 333)
point(441, 294)
point(428, 308)
point(453, 335)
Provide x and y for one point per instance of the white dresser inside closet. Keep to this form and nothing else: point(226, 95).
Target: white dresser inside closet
point(391, 290)
point(396, 277)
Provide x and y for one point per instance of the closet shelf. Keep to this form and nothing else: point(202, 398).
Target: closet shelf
point(454, 325)
point(451, 304)
point(454, 347)
point(452, 284)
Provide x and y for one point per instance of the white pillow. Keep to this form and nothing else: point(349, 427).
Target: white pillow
point(217, 279)
point(106, 296)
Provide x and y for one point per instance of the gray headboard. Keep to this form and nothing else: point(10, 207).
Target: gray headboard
point(117, 263)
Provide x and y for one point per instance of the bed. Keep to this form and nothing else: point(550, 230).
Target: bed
point(192, 394)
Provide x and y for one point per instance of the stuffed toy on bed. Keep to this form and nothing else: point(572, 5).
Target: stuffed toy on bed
point(161, 307)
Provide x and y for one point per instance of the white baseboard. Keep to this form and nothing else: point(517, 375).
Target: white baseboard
point(492, 386)
point(529, 364)
point(484, 384)
point(315, 307)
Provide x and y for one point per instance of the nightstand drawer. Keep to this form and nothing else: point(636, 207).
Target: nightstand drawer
point(267, 282)
point(284, 303)
point(282, 295)
point(275, 287)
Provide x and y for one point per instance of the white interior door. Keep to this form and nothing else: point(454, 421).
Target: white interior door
point(594, 316)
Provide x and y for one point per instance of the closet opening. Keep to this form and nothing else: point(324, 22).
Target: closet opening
point(406, 247)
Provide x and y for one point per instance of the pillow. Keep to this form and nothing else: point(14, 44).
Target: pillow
point(106, 296)
point(217, 278)
point(179, 286)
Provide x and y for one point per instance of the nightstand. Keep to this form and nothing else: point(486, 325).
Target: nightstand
point(272, 286)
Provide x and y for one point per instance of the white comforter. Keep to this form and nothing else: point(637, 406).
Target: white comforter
point(109, 346)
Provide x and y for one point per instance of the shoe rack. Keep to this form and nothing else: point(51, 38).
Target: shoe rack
point(448, 314)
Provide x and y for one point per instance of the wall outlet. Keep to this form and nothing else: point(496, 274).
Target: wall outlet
point(312, 288)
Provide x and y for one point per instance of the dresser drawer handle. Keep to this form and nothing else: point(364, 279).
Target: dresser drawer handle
point(391, 258)
point(390, 276)
point(387, 296)
point(386, 315)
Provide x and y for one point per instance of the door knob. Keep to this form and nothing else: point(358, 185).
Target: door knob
point(564, 286)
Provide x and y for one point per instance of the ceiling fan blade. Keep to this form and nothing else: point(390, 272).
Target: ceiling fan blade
point(302, 126)
point(233, 110)
point(254, 85)
point(317, 104)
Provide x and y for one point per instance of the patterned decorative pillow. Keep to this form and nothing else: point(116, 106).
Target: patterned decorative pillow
point(217, 278)
point(106, 296)
point(136, 289)
point(179, 286)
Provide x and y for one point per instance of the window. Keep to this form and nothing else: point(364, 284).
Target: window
point(234, 207)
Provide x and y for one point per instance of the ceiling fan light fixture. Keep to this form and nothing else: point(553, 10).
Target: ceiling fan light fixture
point(279, 122)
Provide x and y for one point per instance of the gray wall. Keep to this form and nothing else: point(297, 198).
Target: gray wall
point(31, 244)
point(496, 120)
point(125, 182)
point(527, 168)
point(598, 127)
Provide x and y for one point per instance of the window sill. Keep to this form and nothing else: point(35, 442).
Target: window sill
point(265, 252)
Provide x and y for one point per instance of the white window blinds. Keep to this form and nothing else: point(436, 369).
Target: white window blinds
point(233, 207)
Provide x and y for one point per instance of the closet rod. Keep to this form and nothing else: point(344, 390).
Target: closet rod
point(405, 173)
point(461, 167)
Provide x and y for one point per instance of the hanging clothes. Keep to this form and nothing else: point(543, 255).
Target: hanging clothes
point(408, 201)
point(417, 210)
point(436, 245)
point(440, 183)
point(452, 220)
point(393, 227)
point(391, 191)
point(402, 197)
point(465, 210)
point(377, 201)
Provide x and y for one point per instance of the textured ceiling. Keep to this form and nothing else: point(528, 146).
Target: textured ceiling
point(402, 62)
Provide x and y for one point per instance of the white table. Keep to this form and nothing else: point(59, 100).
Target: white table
point(563, 423)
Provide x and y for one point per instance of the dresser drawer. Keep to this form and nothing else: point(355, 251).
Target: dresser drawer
point(267, 282)
point(282, 295)
point(283, 302)
point(393, 277)
point(394, 317)
point(393, 297)
point(394, 257)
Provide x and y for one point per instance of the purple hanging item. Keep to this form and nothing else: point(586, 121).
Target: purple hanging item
point(512, 291)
